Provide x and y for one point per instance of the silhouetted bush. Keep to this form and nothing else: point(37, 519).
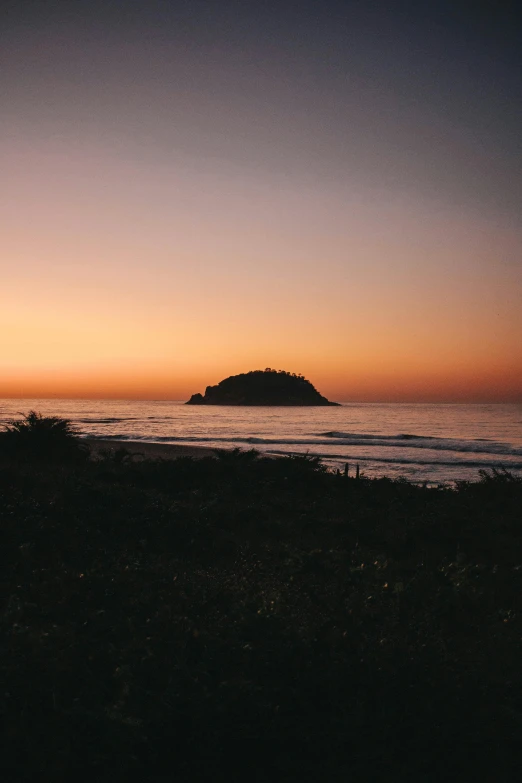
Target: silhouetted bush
point(37, 437)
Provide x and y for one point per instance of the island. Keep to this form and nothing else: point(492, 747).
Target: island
point(262, 387)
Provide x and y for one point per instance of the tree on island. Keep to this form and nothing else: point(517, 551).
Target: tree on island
point(262, 387)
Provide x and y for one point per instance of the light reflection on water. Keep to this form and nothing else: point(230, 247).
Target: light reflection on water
point(450, 441)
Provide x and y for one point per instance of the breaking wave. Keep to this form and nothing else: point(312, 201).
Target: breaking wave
point(384, 442)
point(477, 445)
point(469, 463)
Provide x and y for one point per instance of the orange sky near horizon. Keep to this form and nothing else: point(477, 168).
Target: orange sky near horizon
point(170, 218)
point(389, 300)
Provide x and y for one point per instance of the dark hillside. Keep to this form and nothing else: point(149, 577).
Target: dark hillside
point(261, 387)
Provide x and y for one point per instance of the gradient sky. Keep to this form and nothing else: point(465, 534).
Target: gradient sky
point(196, 189)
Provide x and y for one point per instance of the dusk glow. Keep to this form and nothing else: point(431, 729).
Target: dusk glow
point(191, 193)
point(261, 390)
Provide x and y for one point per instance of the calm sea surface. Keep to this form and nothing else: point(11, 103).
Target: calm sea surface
point(434, 443)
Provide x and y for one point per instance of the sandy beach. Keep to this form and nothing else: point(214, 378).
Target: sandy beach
point(149, 450)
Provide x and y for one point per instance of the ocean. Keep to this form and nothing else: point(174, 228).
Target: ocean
point(420, 442)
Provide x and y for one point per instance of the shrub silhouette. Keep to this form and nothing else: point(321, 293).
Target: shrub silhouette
point(499, 476)
point(37, 437)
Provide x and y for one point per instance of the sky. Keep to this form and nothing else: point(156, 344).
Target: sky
point(196, 189)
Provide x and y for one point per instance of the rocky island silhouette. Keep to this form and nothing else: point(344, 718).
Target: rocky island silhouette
point(262, 387)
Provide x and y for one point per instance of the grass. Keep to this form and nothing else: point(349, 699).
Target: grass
point(246, 618)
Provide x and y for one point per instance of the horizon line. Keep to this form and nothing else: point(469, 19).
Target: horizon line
point(341, 402)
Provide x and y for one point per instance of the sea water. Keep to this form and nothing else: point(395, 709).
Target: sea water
point(420, 442)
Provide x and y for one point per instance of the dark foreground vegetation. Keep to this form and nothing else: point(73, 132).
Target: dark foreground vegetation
point(242, 618)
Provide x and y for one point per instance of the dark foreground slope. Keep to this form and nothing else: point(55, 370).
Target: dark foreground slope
point(251, 619)
point(261, 387)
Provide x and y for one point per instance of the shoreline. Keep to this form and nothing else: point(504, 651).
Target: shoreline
point(150, 450)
